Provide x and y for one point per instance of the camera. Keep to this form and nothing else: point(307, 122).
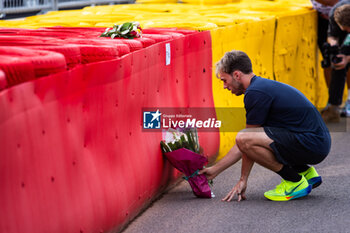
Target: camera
point(330, 53)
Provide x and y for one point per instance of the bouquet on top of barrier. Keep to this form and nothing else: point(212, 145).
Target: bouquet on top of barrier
point(128, 30)
point(181, 148)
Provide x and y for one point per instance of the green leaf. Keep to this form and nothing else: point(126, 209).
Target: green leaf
point(184, 142)
point(178, 145)
point(124, 32)
point(127, 25)
point(182, 138)
point(190, 141)
point(172, 146)
point(194, 138)
point(104, 35)
point(123, 27)
point(164, 147)
point(186, 145)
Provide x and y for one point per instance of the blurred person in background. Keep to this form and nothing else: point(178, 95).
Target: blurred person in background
point(338, 40)
point(323, 7)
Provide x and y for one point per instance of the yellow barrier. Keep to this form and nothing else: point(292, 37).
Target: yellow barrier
point(247, 36)
point(295, 52)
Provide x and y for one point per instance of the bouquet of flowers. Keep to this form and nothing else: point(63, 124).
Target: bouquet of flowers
point(181, 147)
point(176, 139)
point(128, 30)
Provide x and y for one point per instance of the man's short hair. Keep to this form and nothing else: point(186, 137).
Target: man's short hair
point(234, 60)
point(342, 15)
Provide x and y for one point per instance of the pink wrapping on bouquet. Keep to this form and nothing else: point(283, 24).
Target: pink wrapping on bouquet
point(190, 163)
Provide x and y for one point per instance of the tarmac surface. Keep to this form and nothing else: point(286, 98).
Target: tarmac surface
point(325, 209)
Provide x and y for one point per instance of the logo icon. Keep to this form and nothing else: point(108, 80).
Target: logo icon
point(151, 120)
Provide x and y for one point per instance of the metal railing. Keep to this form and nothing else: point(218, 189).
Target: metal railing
point(25, 6)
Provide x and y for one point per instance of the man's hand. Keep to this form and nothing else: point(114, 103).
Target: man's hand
point(239, 190)
point(342, 64)
point(209, 172)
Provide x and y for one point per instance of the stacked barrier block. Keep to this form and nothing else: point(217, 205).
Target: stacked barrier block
point(249, 37)
point(295, 52)
point(74, 155)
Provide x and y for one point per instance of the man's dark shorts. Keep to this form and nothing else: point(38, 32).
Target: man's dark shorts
point(288, 150)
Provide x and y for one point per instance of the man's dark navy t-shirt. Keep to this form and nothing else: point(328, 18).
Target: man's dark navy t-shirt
point(274, 104)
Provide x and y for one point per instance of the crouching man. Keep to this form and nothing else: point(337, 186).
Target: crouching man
point(284, 132)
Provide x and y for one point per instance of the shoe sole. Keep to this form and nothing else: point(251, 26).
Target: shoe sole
point(315, 182)
point(301, 193)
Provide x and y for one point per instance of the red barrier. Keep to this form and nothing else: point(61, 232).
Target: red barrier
point(74, 157)
point(3, 81)
point(146, 41)
point(51, 33)
point(83, 30)
point(17, 70)
point(133, 44)
point(158, 37)
point(70, 52)
point(121, 47)
point(44, 62)
point(88, 53)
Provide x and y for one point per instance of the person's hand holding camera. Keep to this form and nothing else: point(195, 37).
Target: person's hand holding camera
point(343, 62)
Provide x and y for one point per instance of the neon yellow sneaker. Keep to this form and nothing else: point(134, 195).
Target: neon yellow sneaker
point(312, 177)
point(288, 190)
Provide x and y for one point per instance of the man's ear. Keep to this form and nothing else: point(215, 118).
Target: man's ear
point(237, 73)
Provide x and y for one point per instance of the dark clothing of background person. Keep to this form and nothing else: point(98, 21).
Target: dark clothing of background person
point(338, 77)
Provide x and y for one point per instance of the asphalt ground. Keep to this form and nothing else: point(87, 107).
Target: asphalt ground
point(325, 209)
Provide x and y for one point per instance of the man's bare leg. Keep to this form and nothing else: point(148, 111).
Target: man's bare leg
point(255, 144)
